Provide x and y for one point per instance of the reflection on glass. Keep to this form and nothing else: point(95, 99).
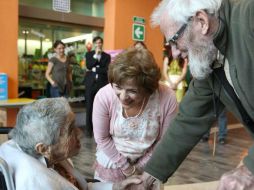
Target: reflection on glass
point(35, 47)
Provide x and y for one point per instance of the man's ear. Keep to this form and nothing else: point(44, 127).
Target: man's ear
point(42, 149)
point(202, 18)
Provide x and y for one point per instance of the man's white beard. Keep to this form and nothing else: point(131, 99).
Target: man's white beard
point(201, 59)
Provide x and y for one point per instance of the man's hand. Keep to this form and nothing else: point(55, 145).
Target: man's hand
point(238, 179)
point(98, 51)
point(94, 69)
point(126, 183)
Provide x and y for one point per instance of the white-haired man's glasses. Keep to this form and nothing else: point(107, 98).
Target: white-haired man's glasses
point(173, 41)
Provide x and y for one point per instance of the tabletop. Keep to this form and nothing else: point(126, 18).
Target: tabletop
point(15, 102)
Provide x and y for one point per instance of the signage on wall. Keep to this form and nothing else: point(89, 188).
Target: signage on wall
point(138, 32)
point(139, 20)
point(62, 5)
point(3, 86)
point(138, 29)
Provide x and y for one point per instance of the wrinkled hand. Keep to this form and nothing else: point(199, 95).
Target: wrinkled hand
point(138, 171)
point(148, 183)
point(126, 183)
point(238, 179)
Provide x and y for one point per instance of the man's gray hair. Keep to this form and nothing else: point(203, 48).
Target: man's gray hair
point(40, 121)
point(181, 10)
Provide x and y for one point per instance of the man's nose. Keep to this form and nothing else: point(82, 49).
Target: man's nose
point(175, 52)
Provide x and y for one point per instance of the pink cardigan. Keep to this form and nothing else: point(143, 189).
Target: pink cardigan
point(104, 114)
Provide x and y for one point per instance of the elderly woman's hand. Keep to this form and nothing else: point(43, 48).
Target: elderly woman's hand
point(238, 179)
point(148, 183)
point(131, 170)
point(126, 183)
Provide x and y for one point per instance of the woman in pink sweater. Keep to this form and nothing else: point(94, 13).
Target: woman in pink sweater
point(130, 115)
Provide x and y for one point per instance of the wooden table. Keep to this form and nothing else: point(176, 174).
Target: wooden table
point(15, 103)
point(194, 186)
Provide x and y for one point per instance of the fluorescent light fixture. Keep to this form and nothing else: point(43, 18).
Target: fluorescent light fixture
point(36, 33)
point(78, 38)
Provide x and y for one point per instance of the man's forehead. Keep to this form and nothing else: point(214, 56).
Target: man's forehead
point(167, 25)
point(98, 41)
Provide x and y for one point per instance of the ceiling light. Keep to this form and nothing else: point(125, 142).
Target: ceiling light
point(78, 38)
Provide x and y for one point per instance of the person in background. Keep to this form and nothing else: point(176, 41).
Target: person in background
point(222, 125)
point(58, 72)
point(217, 37)
point(140, 45)
point(130, 115)
point(174, 71)
point(42, 141)
point(97, 62)
point(77, 72)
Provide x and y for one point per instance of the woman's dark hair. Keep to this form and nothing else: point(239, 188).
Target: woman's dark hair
point(57, 42)
point(136, 64)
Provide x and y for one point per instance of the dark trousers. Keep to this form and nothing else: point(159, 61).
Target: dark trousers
point(222, 125)
point(90, 93)
point(55, 92)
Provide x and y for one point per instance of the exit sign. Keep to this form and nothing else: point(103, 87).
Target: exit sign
point(139, 20)
point(138, 32)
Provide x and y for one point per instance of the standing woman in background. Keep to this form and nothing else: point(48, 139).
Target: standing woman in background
point(58, 72)
point(174, 72)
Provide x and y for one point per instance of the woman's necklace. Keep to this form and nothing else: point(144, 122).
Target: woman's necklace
point(139, 112)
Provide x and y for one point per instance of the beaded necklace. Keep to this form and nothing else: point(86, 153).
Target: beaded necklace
point(139, 112)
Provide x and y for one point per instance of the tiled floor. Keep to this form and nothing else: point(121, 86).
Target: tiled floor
point(199, 166)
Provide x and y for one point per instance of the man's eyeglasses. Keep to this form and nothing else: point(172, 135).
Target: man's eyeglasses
point(173, 40)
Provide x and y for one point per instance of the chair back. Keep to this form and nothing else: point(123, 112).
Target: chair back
point(6, 180)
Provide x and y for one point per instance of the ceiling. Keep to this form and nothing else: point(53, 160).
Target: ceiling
point(55, 30)
point(51, 31)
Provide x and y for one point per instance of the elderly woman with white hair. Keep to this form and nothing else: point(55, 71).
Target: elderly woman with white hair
point(43, 139)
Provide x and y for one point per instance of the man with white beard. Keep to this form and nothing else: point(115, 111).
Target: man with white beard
point(218, 38)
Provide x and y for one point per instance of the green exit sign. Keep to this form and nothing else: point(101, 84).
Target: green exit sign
point(139, 20)
point(138, 32)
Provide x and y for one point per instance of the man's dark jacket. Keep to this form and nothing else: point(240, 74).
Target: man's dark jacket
point(101, 69)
